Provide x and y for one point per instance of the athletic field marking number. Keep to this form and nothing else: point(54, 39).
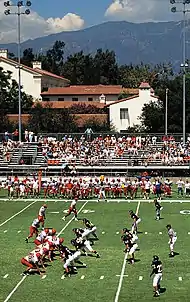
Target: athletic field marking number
point(185, 212)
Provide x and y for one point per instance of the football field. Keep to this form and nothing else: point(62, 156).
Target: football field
point(106, 279)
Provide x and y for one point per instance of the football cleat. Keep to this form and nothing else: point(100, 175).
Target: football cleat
point(26, 240)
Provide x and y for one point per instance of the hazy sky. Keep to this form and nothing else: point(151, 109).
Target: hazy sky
point(62, 15)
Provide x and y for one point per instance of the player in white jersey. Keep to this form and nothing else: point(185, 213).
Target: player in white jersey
point(172, 239)
point(72, 209)
point(42, 214)
point(148, 185)
point(33, 229)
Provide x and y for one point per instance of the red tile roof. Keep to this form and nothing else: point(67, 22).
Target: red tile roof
point(34, 70)
point(68, 104)
point(144, 85)
point(88, 90)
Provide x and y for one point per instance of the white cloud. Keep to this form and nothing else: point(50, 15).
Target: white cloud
point(141, 10)
point(33, 25)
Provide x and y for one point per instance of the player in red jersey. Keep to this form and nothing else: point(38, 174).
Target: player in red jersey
point(33, 229)
point(32, 261)
point(72, 209)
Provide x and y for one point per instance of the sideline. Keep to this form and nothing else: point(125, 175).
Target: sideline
point(24, 277)
point(124, 266)
point(18, 213)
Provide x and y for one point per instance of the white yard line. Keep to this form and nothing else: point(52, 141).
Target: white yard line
point(124, 266)
point(18, 213)
point(15, 288)
point(24, 277)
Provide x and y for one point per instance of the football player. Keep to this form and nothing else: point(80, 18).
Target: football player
point(158, 209)
point(130, 247)
point(90, 228)
point(70, 258)
point(172, 239)
point(132, 236)
point(33, 229)
point(32, 261)
point(72, 209)
point(42, 214)
point(157, 272)
point(136, 221)
point(84, 245)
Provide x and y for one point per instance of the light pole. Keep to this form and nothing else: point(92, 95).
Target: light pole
point(184, 65)
point(19, 5)
point(166, 113)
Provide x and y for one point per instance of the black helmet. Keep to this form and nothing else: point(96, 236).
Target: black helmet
point(155, 258)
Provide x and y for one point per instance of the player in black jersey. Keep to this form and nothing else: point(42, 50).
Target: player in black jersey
point(130, 247)
point(157, 272)
point(78, 231)
point(70, 257)
point(90, 228)
point(136, 221)
point(158, 209)
point(83, 245)
point(133, 237)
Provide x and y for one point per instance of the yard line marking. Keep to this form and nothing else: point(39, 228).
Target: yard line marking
point(63, 277)
point(102, 277)
point(123, 275)
point(18, 213)
point(54, 212)
point(5, 231)
point(140, 278)
point(82, 277)
point(124, 265)
point(4, 277)
point(180, 278)
point(44, 276)
point(72, 219)
point(15, 288)
point(24, 277)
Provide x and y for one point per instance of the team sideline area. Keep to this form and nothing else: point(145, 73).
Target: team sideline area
point(109, 278)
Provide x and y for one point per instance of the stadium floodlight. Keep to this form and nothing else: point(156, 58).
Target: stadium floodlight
point(7, 12)
point(28, 3)
point(7, 3)
point(27, 12)
point(184, 65)
point(174, 9)
point(19, 5)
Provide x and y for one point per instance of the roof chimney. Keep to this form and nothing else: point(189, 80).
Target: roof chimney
point(37, 64)
point(4, 53)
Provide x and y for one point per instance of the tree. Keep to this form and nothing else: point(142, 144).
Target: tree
point(152, 117)
point(46, 119)
point(28, 57)
point(9, 95)
point(53, 59)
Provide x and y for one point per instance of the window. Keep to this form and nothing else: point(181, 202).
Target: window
point(124, 114)
point(61, 99)
point(90, 99)
point(75, 99)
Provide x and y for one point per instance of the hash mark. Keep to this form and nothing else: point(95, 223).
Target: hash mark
point(102, 277)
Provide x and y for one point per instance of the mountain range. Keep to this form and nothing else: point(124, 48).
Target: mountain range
point(151, 42)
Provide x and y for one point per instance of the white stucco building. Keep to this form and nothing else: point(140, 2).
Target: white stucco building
point(33, 80)
point(124, 113)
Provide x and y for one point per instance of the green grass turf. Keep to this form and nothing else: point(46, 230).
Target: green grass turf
point(109, 218)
